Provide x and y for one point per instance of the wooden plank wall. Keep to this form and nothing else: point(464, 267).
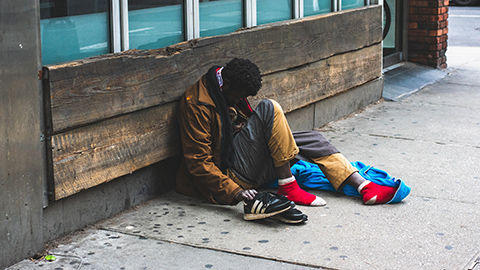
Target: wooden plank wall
point(109, 116)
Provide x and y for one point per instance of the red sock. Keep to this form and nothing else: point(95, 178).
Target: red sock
point(299, 196)
point(376, 194)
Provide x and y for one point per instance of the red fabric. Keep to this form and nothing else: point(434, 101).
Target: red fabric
point(294, 193)
point(376, 194)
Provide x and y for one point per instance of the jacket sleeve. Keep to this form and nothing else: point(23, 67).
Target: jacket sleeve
point(195, 122)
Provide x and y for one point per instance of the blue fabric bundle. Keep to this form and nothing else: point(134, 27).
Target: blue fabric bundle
point(309, 176)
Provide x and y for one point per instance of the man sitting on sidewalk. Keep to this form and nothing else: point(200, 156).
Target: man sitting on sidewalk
point(230, 149)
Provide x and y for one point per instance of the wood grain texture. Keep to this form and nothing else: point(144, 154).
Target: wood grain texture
point(90, 90)
point(311, 83)
point(97, 153)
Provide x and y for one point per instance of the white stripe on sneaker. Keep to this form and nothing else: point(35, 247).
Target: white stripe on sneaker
point(256, 207)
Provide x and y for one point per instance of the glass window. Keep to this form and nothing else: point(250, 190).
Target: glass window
point(219, 17)
point(155, 24)
point(389, 27)
point(313, 7)
point(349, 4)
point(273, 11)
point(73, 29)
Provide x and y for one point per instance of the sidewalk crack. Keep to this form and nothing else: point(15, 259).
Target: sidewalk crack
point(391, 137)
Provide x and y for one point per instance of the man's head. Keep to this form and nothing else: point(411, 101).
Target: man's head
point(241, 78)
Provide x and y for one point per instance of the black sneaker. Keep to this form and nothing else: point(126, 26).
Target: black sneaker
point(291, 216)
point(264, 205)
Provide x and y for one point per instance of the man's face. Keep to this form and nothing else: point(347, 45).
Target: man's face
point(232, 94)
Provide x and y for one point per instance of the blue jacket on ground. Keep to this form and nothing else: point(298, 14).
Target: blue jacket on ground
point(309, 176)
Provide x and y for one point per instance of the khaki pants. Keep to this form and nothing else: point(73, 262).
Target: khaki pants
point(266, 142)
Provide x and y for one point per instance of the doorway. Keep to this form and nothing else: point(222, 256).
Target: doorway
point(394, 32)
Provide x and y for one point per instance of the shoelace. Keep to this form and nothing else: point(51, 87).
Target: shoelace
point(264, 198)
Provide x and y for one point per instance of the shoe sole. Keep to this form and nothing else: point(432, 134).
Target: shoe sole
point(252, 216)
point(289, 221)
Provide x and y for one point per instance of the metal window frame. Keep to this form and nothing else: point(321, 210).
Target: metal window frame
point(120, 28)
point(192, 20)
point(337, 5)
point(115, 26)
point(125, 39)
point(250, 13)
point(298, 9)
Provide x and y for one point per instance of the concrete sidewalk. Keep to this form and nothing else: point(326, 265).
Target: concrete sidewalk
point(429, 138)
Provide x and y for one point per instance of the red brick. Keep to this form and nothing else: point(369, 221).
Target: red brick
point(418, 3)
point(418, 54)
point(432, 11)
point(434, 33)
point(418, 18)
point(413, 25)
point(437, 61)
point(424, 11)
point(442, 17)
point(429, 25)
point(435, 18)
point(422, 61)
point(435, 3)
point(438, 47)
point(420, 33)
point(430, 40)
point(415, 46)
point(433, 54)
point(435, 47)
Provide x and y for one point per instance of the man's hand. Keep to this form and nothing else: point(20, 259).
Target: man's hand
point(245, 195)
point(237, 128)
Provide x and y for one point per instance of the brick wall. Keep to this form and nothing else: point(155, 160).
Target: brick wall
point(427, 33)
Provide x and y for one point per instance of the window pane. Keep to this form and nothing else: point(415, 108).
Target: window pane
point(154, 24)
point(313, 7)
point(389, 41)
point(73, 29)
point(348, 4)
point(273, 11)
point(218, 17)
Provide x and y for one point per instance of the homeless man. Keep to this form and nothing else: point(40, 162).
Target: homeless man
point(229, 149)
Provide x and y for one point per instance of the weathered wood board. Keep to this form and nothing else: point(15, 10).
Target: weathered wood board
point(90, 90)
point(308, 84)
point(97, 153)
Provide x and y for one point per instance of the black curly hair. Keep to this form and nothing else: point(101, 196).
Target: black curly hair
point(243, 74)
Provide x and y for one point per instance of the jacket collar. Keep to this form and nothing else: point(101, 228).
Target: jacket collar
point(203, 95)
